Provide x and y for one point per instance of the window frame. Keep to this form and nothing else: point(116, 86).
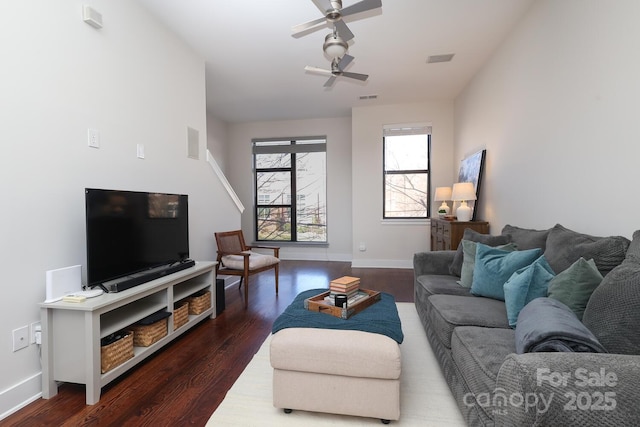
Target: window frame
point(405, 131)
point(295, 146)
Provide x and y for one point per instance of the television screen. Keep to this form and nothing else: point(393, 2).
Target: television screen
point(131, 232)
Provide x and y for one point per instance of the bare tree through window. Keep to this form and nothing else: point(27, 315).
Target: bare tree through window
point(290, 183)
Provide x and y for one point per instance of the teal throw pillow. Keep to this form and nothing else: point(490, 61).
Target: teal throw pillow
point(525, 285)
point(495, 266)
point(573, 287)
point(469, 260)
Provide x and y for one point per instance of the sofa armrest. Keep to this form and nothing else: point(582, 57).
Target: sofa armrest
point(436, 262)
point(567, 389)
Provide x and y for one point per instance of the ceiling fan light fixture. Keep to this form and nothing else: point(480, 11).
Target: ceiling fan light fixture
point(334, 46)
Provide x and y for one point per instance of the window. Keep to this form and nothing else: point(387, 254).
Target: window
point(406, 153)
point(290, 189)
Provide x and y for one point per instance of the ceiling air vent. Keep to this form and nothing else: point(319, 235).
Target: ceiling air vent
point(440, 58)
point(364, 97)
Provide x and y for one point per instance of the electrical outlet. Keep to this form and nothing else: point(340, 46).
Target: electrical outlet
point(94, 138)
point(20, 338)
point(36, 327)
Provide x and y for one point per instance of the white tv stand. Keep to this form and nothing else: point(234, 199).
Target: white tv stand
point(71, 332)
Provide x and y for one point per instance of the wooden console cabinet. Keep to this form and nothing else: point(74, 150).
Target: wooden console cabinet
point(446, 235)
point(71, 332)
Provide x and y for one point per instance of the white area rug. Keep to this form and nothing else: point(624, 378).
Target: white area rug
point(425, 398)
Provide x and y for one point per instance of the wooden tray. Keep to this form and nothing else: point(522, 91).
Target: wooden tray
point(318, 304)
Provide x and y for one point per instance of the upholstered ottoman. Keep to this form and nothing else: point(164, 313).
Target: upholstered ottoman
point(335, 370)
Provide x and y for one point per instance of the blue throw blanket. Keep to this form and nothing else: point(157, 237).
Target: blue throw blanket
point(546, 324)
point(379, 318)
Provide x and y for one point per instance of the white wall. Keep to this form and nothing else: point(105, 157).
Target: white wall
point(217, 141)
point(134, 82)
point(556, 108)
point(393, 244)
point(240, 175)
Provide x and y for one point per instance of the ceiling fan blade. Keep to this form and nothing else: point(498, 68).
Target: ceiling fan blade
point(343, 31)
point(330, 82)
point(306, 25)
point(318, 70)
point(323, 5)
point(356, 76)
point(362, 6)
point(346, 60)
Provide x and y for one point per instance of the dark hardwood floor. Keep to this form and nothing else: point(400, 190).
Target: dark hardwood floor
point(185, 381)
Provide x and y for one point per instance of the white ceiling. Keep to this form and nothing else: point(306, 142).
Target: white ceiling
point(255, 68)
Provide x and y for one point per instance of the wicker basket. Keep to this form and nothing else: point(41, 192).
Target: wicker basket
point(199, 303)
point(180, 314)
point(145, 335)
point(116, 353)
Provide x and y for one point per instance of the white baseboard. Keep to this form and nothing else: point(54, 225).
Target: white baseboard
point(20, 395)
point(381, 263)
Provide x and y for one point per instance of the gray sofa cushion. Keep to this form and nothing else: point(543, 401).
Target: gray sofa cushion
point(456, 265)
point(479, 353)
point(526, 238)
point(446, 312)
point(613, 311)
point(564, 247)
point(440, 284)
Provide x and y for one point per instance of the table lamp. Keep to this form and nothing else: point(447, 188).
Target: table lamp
point(442, 195)
point(463, 191)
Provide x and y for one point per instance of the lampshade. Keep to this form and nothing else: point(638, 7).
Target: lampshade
point(442, 193)
point(463, 191)
point(334, 46)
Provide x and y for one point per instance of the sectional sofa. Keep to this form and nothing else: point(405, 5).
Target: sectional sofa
point(536, 327)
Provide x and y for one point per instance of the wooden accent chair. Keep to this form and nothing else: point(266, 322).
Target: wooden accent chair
point(235, 258)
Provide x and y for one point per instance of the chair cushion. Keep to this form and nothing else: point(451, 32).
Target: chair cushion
point(256, 260)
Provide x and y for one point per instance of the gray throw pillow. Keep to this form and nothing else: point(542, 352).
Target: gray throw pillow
point(469, 260)
point(612, 312)
point(564, 247)
point(526, 238)
point(456, 265)
point(573, 287)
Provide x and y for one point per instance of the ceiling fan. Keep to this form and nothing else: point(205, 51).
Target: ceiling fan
point(333, 14)
point(337, 69)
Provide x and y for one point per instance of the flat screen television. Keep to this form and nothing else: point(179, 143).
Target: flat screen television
point(134, 237)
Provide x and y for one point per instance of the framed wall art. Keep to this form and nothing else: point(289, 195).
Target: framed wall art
point(471, 169)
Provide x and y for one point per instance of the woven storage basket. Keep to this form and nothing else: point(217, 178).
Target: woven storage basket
point(145, 335)
point(116, 353)
point(180, 314)
point(199, 303)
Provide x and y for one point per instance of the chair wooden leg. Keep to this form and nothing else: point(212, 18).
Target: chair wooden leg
point(277, 274)
point(246, 292)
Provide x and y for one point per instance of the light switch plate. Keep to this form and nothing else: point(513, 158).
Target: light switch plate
point(140, 150)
